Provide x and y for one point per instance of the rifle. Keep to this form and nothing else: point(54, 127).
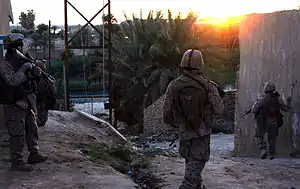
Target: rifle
point(246, 113)
point(174, 140)
point(220, 89)
point(28, 58)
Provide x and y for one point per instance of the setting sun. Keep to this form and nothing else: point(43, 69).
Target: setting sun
point(217, 11)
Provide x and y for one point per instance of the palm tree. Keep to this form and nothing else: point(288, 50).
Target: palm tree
point(148, 54)
point(40, 38)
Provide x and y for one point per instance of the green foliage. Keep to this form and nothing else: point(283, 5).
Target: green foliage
point(122, 158)
point(149, 52)
point(27, 20)
point(146, 54)
point(84, 38)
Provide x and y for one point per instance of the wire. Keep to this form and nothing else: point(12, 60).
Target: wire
point(103, 51)
point(84, 65)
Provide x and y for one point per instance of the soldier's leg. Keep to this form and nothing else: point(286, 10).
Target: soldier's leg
point(4, 137)
point(42, 114)
point(15, 121)
point(272, 136)
point(260, 142)
point(31, 132)
point(196, 153)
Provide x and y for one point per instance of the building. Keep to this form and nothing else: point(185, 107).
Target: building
point(6, 17)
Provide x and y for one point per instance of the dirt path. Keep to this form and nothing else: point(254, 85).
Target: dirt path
point(67, 167)
point(226, 172)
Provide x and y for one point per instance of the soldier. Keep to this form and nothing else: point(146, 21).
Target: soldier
point(268, 116)
point(42, 115)
point(190, 102)
point(17, 93)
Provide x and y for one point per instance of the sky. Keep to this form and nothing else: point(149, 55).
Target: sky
point(54, 9)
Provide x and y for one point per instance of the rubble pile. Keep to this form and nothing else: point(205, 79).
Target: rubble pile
point(225, 123)
point(153, 121)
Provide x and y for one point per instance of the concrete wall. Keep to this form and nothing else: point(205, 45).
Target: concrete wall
point(5, 12)
point(270, 51)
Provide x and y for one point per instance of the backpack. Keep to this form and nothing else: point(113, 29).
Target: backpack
point(190, 100)
point(271, 109)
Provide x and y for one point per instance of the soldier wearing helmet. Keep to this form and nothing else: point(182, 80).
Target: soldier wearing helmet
point(17, 93)
point(269, 119)
point(190, 102)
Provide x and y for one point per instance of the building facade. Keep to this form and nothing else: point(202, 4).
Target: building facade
point(6, 17)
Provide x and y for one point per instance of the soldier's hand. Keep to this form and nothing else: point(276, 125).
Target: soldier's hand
point(26, 66)
point(36, 72)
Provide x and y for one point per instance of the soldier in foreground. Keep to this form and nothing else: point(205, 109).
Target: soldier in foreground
point(190, 102)
point(268, 116)
point(18, 94)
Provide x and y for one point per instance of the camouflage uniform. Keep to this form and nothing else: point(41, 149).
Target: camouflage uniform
point(194, 144)
point(20, 117)
point(268, 125)
point(42, 111)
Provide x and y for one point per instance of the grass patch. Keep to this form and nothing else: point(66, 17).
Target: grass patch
point(126, 161)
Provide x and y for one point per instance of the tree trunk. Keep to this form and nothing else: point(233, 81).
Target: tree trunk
point(269, 51)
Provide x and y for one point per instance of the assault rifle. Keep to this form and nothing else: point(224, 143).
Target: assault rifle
point(174, 140)
point(27, 58)
point(246, 113)
point(220, 89)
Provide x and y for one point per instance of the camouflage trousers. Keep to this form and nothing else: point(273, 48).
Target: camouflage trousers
point(22, 127)
point(272, 133)
point(42, 113)
point(196, 153)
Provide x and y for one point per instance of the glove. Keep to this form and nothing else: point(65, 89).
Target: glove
point(289, 99)
point(36, 72)
point(26, 66)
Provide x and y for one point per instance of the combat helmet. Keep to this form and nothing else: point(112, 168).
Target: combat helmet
point(269, 87)
point(13, 41)
point(192, 59)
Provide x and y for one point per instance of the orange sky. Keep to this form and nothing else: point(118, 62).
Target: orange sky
point(53, 10)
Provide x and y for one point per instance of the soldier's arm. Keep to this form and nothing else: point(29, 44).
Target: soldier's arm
point(11, 77)
point(285, 106)
point(167, 107)
point(257, 106)
point(215, 100)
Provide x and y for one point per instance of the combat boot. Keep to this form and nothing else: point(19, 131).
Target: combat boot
point(263, 154)
point(35, 158)
point(20, 166)
point(271, 156)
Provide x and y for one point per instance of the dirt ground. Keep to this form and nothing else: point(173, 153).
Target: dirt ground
point(67, 167)
point(226, 172)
